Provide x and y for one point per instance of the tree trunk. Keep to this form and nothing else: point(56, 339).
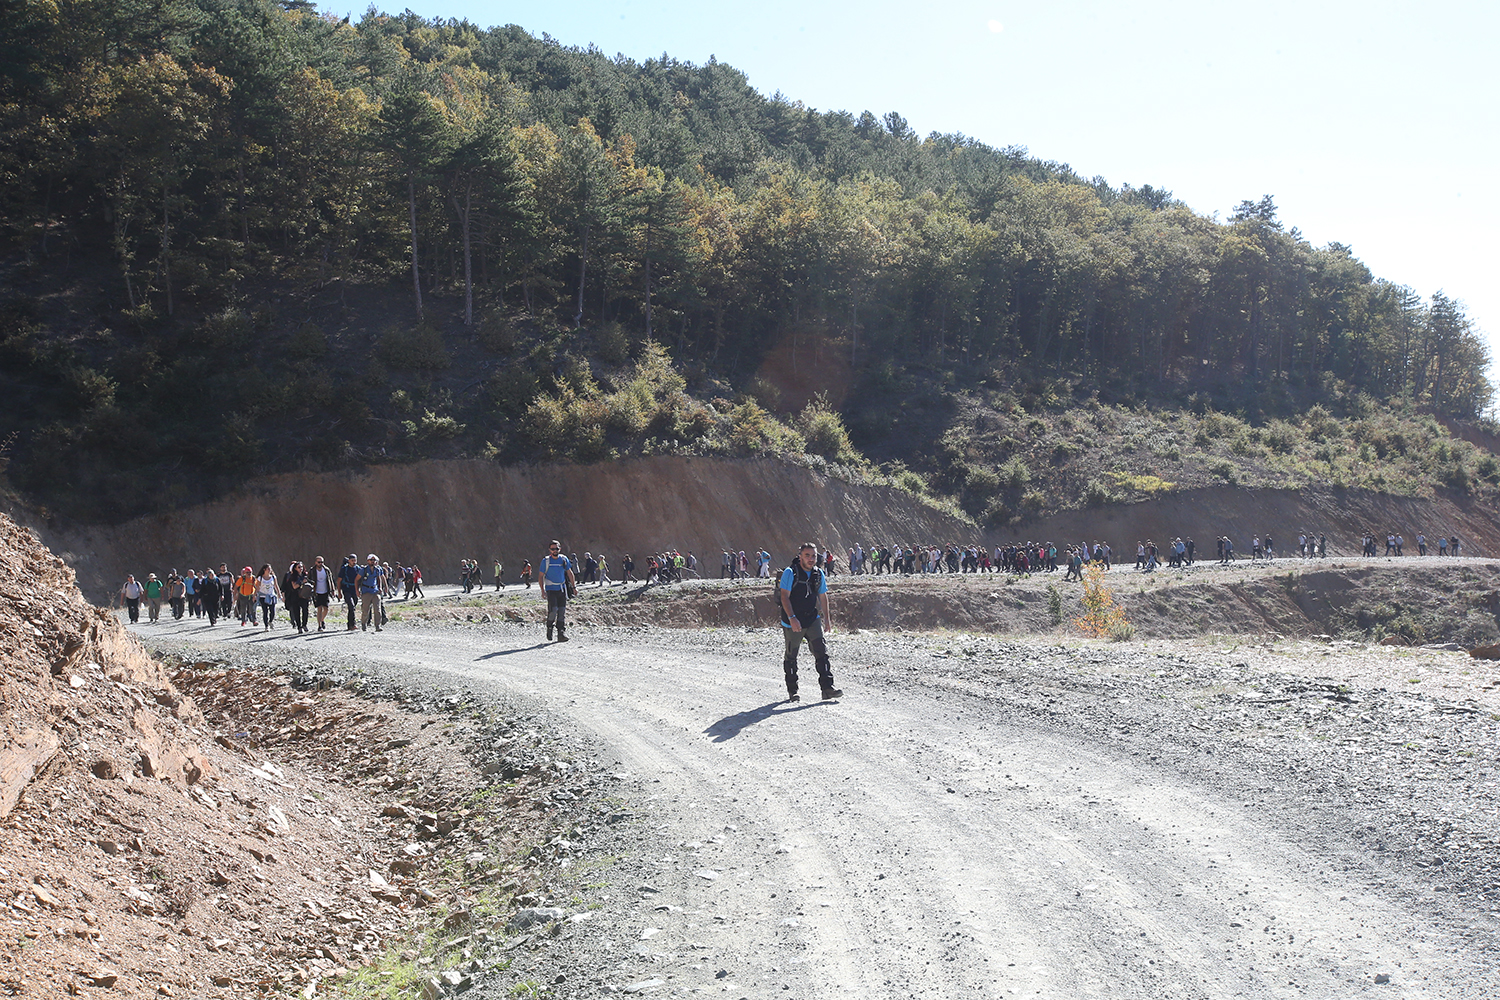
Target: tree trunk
point(244, 214)
point(648, 296)
point(46, 214)
point(464, 216)
point(853, 331)
point(583, 271)
point(166, 249)
point(416, 275)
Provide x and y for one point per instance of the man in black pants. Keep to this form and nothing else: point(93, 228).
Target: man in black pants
point(208, 594)
point(349, 586)
point(226, 591)
point(804, 615)
point(555, 574)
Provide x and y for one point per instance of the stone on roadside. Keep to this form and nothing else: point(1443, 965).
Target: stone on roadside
point(530, 916)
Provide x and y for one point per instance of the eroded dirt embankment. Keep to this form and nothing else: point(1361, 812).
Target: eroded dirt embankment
point(436, 513)
point(1243, 513)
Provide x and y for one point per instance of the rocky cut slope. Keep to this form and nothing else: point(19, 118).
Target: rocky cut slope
point(76, 690)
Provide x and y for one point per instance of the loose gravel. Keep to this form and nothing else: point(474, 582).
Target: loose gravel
point(982, 816)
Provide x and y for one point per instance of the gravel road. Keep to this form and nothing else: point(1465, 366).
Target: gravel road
point(986, 817)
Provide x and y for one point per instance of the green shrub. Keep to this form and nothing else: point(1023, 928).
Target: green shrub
point(420, 348)
point(432, 427)
point(982, 480)
point(612, 344)
point(997, 513)
point(1322, 425)
point(1243, 444)
point(1487, 468)
point(825, 433)
point(1223, 468)
point(1015, 473)
point(512, 388)
point(309, 343)
point(693, 422)
point(911, 482)
point(231, 330)
point(566, 425)
point(1054, 604)
point(1281, 437)
point(1096, 494)
point(625, 412)
point(496, 333)
point(753, 431)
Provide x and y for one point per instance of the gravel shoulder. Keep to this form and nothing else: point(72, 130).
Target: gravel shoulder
point(982, 816)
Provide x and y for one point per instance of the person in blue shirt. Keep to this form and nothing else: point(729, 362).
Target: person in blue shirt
point(556, 576)
point(371, 580)
point(804, 615)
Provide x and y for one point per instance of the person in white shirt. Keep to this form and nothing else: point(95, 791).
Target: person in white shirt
point(324, 583)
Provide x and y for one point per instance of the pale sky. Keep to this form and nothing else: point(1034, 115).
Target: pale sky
point(1374, 124)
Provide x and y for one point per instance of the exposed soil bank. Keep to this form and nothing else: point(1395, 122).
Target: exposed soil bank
point(436, 513)
point(1242, 513)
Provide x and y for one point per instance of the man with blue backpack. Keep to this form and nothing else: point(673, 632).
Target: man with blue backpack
point(558, 584)
point(803, 593)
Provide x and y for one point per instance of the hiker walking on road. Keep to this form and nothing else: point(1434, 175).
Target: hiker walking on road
point(176, 595)
point(557, 580)
point(803, 592)
point(266, 593)
point(323, 586)
point(349, 586)
point(226, 591)
point(154, 590)
point(244, 596)
point(292, 586)
point(208, 593)
point(371, 582)
point(132, 592)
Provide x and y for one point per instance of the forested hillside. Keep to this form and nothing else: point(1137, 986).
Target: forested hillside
point(242, 236)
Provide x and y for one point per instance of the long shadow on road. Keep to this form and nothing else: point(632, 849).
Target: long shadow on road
point(508, 652)
point(731, 726)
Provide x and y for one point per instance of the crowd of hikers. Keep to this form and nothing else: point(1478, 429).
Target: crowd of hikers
point(253, 596)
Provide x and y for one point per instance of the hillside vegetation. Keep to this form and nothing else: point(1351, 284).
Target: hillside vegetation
point(244, 237)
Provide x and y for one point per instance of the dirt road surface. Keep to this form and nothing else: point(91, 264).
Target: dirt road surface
point(980, 817)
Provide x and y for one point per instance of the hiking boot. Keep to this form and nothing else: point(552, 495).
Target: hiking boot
point(562, 636)
point(794, 696)
point(549, 631)
point(830, 693)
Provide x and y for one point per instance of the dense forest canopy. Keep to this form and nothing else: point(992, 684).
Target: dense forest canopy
point(210, 154)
